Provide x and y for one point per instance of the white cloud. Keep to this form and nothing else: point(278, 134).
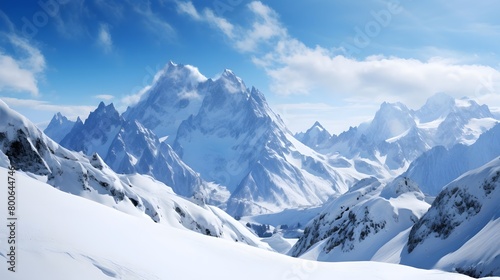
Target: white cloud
point(295, 68)
point(105, 97)
point(265, 27)
point(208, 16)
point(104, 38)
point(189, 9)
point(21, 72)
point(69, 111)
point(312, 70)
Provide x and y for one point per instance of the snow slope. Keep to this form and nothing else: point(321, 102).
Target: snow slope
point(461, 229)
point(62, 237)
point(357, 224)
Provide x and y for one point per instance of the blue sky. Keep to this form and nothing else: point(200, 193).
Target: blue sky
point(332, 61)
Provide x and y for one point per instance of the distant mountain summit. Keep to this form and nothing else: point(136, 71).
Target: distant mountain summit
point(397, 135)
point(58, 127)
point(315, 137)
point(439, 166)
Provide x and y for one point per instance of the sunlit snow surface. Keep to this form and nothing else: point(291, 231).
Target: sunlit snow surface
point(62, 236)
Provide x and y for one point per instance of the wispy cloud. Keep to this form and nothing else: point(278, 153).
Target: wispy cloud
point(20, 71)
point(112, 8)
point(39, 105)
point(264, 27)
point(188, 9)
point(106, 97)
point(70, 21)
point(208, 16)
point(153, 21)
point(104, 38)
point(295, 68)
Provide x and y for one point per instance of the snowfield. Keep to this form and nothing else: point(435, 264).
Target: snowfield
point(63, 236)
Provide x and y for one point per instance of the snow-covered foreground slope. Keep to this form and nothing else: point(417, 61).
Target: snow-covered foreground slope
point(460, 232)
point(62, 236)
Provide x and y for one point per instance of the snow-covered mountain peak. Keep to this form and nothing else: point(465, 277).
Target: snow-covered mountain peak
point(318, 126)
point(104, 111)
point(182, 73)
point(59, 118)
point(436, 107)
point(58, 127)
point(176, 93)
point(232, 83)
point(315, 137)
point(391, 120)
point(96, 134)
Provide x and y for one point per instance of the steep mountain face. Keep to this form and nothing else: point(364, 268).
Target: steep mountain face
point(128, 147)
point(460, 230)
point(437, 167)
point(59, 127)
point(359, 223)
point(315, 137)
point(236, 140)
point(176, 93)
point(27, 149)
point(97, 133)
point(397, 135)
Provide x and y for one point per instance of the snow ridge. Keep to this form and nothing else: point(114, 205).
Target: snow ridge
point(459, 231)
point(27, 149)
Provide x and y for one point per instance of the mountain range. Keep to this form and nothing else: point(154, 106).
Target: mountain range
point(390, 190)
point(398, 135)
point(27, 149)
point(229, 147)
